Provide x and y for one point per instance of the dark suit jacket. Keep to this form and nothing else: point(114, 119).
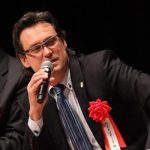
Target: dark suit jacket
point(11, 90)
point(106, 77)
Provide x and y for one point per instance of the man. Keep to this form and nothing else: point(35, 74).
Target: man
point(12, 89)
point(101, 75)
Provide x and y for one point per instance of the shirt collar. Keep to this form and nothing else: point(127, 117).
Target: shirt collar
point(66, 81)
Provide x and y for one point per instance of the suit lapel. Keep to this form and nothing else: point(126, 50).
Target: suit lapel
point(78, 85)
point(82, 96)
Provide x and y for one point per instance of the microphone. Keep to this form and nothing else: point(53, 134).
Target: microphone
point(47, 66)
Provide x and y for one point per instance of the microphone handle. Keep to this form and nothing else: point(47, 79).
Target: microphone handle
point(43, 88)
point(42, 91)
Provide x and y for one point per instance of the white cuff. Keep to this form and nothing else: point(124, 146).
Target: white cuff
point(35, 126)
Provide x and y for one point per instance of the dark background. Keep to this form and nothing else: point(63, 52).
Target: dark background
point(122, 26)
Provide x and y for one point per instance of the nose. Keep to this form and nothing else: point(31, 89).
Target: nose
point(47, 51)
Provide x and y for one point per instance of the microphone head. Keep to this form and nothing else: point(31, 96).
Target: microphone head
point(47, 64)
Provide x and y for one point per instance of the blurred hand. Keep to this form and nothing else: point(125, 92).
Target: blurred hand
point(36, 109)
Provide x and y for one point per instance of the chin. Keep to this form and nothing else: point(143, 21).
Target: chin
point(57, 68)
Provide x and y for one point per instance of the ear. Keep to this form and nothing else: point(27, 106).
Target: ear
point(65, 44)
point(24, 61)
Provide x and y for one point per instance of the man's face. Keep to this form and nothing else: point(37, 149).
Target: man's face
point(53, 48)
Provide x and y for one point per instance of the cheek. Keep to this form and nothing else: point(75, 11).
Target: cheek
point(64, 59)
point(63, 55)
point(35, 65)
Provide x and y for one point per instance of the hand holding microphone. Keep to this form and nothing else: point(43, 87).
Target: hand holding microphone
point(47, 66)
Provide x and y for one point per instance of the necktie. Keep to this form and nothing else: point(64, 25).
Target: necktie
point(71, 122)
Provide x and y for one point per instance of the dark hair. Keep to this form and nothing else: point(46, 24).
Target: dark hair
point(29, 19)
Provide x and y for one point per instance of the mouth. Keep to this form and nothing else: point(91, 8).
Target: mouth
point(53, 60)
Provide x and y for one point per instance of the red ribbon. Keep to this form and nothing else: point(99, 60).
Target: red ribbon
point(118, 135)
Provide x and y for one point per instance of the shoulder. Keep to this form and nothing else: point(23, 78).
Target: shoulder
point(106, 53)
point(17, 74)
point(9, 65)
point(14, 63)
point(102, 56)
point(103, 59)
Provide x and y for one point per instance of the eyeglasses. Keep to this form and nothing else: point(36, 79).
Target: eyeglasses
point(48, 43)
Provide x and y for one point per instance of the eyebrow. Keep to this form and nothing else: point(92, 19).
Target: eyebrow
point(38, 43)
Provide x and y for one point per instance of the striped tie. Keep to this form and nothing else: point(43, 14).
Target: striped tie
point(71, 123)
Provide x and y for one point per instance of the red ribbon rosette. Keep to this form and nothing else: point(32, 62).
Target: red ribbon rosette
point(99, 110)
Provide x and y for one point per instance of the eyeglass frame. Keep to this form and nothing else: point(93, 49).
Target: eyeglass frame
point(41, 45)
